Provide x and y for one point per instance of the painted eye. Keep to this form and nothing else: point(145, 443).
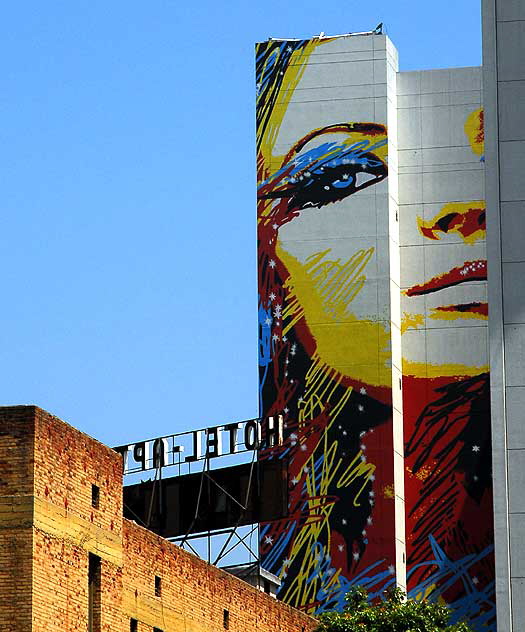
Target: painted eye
point(322, 182)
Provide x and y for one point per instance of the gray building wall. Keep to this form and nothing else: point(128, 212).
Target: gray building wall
point(504, 85)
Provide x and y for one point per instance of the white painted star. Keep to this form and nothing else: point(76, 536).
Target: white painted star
point(285, 338)
point(293, 436)
point(371, 494)
point(363, 531)
point(268, 539)
point(268, 321)
point(355, 556)
point(287, 562)
point(475, 580)
point(275, 226)
point(303, 448)
point(295, 481)
point(341, 547)
point(330, 572)
point(372, 477)
point(275, 338)
point(475, 448)
point(285, 410)
point(363, 458)
point(362, 433)
point(344, 433)
point(363, 446)
point(343, 521)
point(369, 520)
point(362, 390)
point(272, 263)
point(360, 408)
point(271, 296)
point(475, 478)
point(306, 469)
point(391, 569)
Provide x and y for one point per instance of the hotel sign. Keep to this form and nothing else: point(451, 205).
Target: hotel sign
point(188, 447)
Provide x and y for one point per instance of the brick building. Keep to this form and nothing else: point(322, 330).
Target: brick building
point(69, 561)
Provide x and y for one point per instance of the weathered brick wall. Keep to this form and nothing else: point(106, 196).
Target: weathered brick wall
point(68, 527)
point(16, 534)
point(48, 528)
point(194, 593)
point(68, 463)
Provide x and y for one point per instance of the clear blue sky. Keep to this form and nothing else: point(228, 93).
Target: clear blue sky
point(128, 197)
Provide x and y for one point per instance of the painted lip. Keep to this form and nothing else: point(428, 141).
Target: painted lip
point(480, 310)
point(469, 271)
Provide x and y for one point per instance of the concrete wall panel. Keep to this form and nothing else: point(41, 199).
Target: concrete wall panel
point(512, 159)
point(512, 231)
point(515, 354)
point(511, 50)
point(516, 487)
point(515, 408)
point(513, 292)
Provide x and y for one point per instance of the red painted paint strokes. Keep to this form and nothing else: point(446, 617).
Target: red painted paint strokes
point(469, 271)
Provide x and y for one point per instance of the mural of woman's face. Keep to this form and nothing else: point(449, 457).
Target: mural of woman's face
point(320, 196)
point(445, 281)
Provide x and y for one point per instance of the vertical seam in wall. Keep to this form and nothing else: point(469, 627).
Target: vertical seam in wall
point(501, 305)
point(496, 328)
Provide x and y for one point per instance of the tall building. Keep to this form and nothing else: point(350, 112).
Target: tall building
point(373, 319)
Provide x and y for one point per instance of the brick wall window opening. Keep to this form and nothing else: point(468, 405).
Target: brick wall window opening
point(133, 625)
point(94, 601)
point(226, 619)
point(95, 496)
point(266, 586)
point(158, 586)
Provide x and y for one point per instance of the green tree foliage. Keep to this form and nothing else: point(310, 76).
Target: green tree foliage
point(395, 614)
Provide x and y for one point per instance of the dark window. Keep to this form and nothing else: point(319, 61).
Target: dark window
point(95, 496)
point(157, 630)
point(94, 605)
point(226, 619)
point(133, 625)
point(158, 586)
point(266, 586)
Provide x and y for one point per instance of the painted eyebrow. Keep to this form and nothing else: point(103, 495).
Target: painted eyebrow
point(372, 129)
